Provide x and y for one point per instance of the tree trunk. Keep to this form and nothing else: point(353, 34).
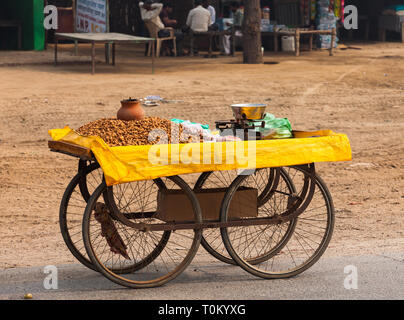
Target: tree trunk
point(252, 32)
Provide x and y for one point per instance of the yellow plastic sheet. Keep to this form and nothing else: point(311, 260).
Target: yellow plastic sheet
point(132, 163)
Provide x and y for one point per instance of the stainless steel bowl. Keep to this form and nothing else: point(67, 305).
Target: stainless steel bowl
point(250, 111)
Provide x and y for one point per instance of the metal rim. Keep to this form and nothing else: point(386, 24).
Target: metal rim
point(156, 273)
point(211, 238)
point(71, 210)
point(301, 258)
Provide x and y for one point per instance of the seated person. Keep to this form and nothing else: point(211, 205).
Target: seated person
point(149, 11)
point(238, 17)
point(206, 5)
point(199, 18)
point(166, 14)
point(237, 14)
point(213, 25)
point(166, 17)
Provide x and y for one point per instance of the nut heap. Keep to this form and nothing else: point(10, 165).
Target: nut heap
point(148, 131)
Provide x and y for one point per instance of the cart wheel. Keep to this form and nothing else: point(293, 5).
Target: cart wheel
point(72, 207)
point(117, 244)
point(124, 198)
point(299, 249)
point(266, 180)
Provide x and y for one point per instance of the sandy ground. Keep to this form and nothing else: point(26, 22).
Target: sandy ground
point(357, 92)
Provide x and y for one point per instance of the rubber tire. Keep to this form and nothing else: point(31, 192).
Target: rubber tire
point(76, 181)
point(316, 256)
point(152, 283)
point(205, 244)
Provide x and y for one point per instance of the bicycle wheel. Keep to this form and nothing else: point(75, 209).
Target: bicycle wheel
point(72, 207)
point(303, 247)
point(267, 181)
point(162, 262)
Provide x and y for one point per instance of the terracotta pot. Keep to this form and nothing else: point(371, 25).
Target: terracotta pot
point(131, 109)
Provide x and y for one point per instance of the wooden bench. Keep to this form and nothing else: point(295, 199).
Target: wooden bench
point(212, 35)
point(296, 33)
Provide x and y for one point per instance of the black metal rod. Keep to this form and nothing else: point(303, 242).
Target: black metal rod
point(92, 57)
point(56, 50)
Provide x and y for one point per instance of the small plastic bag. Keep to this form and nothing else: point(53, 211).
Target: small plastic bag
point(195, 129)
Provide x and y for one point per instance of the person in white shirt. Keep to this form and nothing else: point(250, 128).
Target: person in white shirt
point(150, 12)
point(199, 18)
point(206, 5)
point(212, 14)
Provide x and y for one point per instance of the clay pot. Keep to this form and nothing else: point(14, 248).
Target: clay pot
point(131, 109)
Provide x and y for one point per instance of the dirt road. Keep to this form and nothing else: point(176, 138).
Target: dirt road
point(357, 92)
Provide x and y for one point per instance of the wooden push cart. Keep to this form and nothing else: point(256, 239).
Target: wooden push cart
point(273, 222)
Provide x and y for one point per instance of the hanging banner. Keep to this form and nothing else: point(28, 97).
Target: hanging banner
point(91, 16)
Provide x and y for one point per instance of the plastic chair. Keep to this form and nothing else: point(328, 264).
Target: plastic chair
point(153, 31)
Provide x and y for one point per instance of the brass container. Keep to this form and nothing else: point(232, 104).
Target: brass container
point(249, 111)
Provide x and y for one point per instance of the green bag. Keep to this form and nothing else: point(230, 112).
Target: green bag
point(275, 128)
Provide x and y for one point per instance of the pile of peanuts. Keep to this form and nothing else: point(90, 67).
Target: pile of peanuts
point(149, 131)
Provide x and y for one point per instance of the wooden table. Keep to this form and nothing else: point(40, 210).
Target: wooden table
point(211, 35)
point(105, 38)
point(392, 23)
point(296, 33)
point(13, 24)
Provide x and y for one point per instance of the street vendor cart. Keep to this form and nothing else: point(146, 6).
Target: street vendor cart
point(139, 220)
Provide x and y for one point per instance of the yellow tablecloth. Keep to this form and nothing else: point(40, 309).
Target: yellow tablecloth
point(132, 163)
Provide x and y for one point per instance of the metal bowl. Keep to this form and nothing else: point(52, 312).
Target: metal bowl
point(249, 111)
